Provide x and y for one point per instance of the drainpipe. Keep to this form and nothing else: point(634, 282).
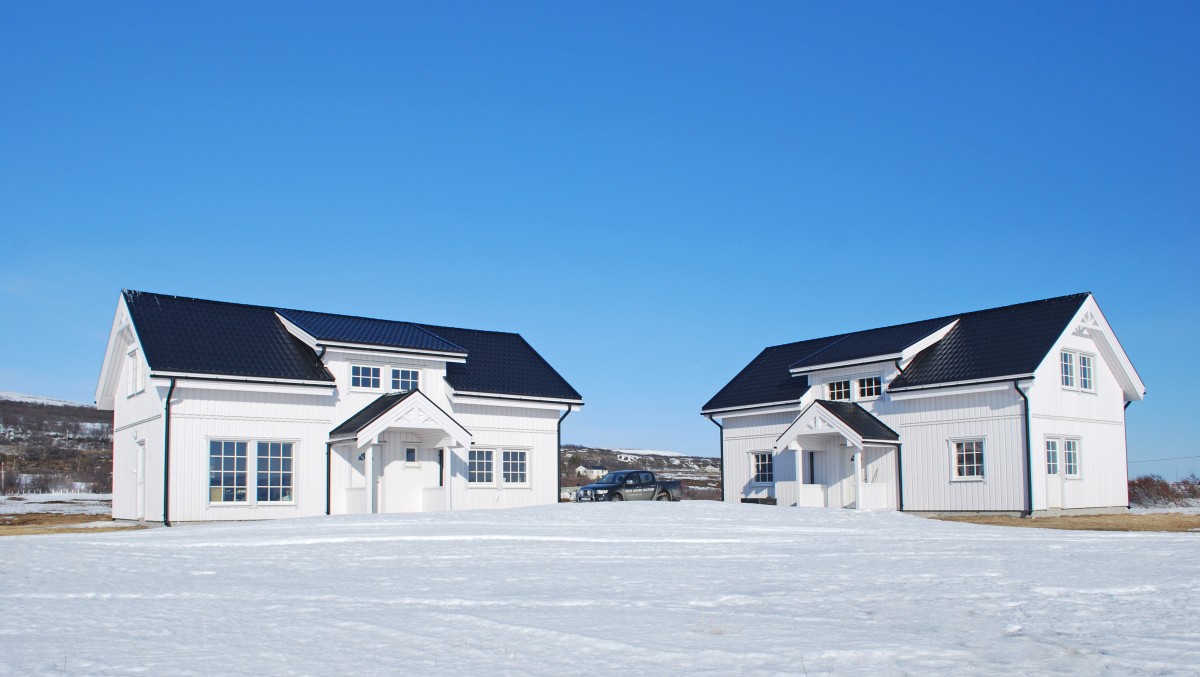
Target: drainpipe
point(1125, 429)
point(900, 474)
point(559, 470)
point(1028, 451)
point(328, 466)
point(167, 454)
point(721, 453)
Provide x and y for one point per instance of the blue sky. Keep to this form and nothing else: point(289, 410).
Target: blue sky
point(649, 192)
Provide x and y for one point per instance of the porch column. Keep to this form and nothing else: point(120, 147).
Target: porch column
point(369, 471)
point(858, 479)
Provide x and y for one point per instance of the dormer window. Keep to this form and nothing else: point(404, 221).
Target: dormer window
point(870, 387)
point(839, 390)
point(364, 377)
point(404, 380)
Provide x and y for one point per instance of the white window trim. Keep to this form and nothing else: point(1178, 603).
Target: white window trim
point(252, 471)
point(137, 375)
point(416, 462)
point(1076, 370)
point(856, 386)
point(366, 389)
point(500, 475)
point(754, 468)
point(392, 376)
point(849, 389)
point(1078, 474)
point(485, 484)
point(1058, 465)
point(954, 476)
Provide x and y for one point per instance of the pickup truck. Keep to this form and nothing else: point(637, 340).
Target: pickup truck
point(630, 485)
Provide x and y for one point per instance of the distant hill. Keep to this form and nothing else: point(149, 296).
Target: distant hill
point(701, 475)
point(53, 445)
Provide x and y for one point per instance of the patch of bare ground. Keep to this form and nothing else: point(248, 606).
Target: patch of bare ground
point(29, 524)
point(1150, 522)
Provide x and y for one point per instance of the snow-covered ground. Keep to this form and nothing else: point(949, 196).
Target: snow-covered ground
point(652, 588)
point(34, 399)
point(72, 504)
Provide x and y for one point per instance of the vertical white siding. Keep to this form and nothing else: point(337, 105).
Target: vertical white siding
point(507, 427)
point(743, 435)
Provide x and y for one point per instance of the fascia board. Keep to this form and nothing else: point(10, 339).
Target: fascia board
point(745, 409)
point(228, 379)
point(295, 330)
point(468, 397)
point(1135, 389)
point(845, 363)
point(907, 355)
point(376, 351)
point(444, 421)
point(953, 384)
point(950, 391)
point(183, 383)
point(110, 368)
point(837, 423)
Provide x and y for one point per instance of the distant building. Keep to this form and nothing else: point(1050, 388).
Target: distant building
point(254, 412)
point(1019, 409)
point(593, 472)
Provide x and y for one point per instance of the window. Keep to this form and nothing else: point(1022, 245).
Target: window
point(136, 384)
point(1071, 458)
point(274, 472)
point(1068, 369)
point(1085, 372)
point(763, 466)
point(514, 467)
point(968, 460)
point(1051, 457)
point(871, 386)
point(479, 466)
point(364, 377)
point(839, 390)
point(404, 380)
point(226, 471)
point(410, 455)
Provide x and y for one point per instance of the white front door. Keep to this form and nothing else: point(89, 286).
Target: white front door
point(1053, 474)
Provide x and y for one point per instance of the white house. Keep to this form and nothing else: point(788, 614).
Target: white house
point(253, 412)
point(1019, 409)
point(592, 472)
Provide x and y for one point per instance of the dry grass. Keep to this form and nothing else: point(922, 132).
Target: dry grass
point(1153, 522)
point(54, 523)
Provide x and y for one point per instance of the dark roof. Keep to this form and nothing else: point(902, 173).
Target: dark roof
point(212, 337)
point(1007, 341)
point(366, 415)
point(872, 343)
point(984, 344)
point(503, 364)
point(368, 331)
point(231, 339)
point(860, 421)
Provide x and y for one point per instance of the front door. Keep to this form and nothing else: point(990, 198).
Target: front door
point(850, 480)
point(1053, 475)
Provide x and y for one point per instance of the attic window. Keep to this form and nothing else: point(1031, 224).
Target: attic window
point(364, 377)
point(1078, 370)
point(839, 390)
point(136, 383)
point(1068, 369)
point(404, 380)
point(870, 386)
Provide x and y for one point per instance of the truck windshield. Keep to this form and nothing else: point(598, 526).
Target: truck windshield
point(613, 478)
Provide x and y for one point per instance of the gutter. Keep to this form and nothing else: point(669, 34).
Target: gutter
point(559, 461)
point(721, 453)
point(167, 455)
point(1028, 451)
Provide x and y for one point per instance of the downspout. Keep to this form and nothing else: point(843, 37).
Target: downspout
point(1125, 430)
point(721, 453)
point(1028, 451)
point(328, 466)
point(900, 474)
point(167, 454)
point(558, 497)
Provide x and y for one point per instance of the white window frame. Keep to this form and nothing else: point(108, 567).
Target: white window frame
point(954, 465)
point(1091, 368)
point(755, 464)
point(376, 376)
point(292, 472)
point(491, 468)
point(208, 445)
point(398, 379)
point(1066, 369)
point(502, 476)
point(136, 383)
point(849, 390)
point(1068, 462)
point(252, 470)
point(858, 387)
point(1056, 451)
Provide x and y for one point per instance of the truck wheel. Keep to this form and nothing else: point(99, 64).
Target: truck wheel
point(664, 496)
point(616, 497)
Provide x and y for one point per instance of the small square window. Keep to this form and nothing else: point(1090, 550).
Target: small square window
point(410, 455)
point(839, 390)
point(968, 459)
point(364, 377)
point(870, 386)
point(405, 380)
point(763, 467)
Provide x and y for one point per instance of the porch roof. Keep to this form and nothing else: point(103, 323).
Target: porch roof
point(847, 419)
point(412, 409)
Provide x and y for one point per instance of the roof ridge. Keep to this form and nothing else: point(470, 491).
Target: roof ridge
point(135, 293)
point(429, 327)
point(952, 316)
